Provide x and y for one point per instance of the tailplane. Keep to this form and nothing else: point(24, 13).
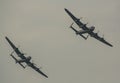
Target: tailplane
point(17, 61)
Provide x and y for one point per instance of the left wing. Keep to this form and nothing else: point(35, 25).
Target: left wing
point(95, 35)
point(36, 69)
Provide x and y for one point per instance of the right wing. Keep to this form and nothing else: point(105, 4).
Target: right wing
point(21, 55)
point(95, 35)
point(36, 69)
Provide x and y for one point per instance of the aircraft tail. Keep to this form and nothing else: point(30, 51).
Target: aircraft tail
point(17, 61)
point(77, 32)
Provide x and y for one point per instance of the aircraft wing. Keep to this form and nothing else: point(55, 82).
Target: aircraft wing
point(36, 69)
point(15, 49)
point(76, 20)
point(71, 15)
point(95, 35)
point(11, 44)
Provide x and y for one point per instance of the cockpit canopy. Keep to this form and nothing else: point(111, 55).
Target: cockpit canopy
point(29, 58)
point(92, 28)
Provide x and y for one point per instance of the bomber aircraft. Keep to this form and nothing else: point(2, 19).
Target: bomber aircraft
point(85, 29)
point(23, 59)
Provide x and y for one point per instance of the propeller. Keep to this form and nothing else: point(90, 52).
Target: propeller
point(26, 66)
point(79, 18)
point(18, 47)
point(84, 25)
point(103, 36)
point(98, 31)
point(23, 52)
point(40, 67)
point(33, 63)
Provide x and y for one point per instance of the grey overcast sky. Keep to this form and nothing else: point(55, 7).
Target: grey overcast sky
point(41, 28)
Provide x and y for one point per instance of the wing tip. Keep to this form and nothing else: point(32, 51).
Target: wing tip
point(111, 45)
point(46, 76)
point(6, 37)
